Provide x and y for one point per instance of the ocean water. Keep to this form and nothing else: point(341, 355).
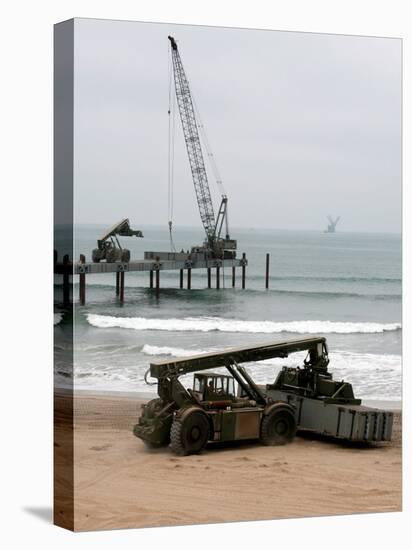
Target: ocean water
point(345, 286)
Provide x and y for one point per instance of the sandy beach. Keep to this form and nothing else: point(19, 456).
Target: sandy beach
point(119, 483)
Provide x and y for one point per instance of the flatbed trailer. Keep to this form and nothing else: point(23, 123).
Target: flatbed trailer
point(339, 420)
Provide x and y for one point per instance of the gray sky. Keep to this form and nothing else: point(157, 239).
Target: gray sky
point(301, 125)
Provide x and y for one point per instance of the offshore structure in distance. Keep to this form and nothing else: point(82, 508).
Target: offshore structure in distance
point(332, 225)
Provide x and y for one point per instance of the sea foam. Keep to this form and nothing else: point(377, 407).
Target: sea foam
point(208, 324)
point(170, 351)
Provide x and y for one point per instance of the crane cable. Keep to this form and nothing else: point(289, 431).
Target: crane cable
point(205, 140)
point(208, 148)
point(171, 153)
point(212, 163)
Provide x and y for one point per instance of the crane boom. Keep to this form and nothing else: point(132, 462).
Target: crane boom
point(217, 246)
point(193, 146)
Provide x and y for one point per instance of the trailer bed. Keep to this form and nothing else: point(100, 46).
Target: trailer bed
point(343, 421)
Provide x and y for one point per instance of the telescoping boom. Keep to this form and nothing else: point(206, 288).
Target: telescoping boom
point(186, 365)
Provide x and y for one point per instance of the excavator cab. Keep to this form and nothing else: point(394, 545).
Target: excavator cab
point(212, 386)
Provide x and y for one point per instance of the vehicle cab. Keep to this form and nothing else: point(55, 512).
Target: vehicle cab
point(212, 386)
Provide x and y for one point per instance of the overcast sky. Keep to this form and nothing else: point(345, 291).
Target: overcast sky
point(301, 125)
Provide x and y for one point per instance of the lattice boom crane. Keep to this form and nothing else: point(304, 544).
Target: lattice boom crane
point(214, 244)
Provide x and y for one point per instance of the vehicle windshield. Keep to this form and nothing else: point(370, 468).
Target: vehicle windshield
point(214, 385)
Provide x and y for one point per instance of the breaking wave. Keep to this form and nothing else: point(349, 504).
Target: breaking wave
point(209, 324)
point(170, 351)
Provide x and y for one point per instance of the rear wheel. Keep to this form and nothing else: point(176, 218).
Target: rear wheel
point(278, 425)
point(189, 433)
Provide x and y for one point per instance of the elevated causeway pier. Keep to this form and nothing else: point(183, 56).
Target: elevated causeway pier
point(154, 263)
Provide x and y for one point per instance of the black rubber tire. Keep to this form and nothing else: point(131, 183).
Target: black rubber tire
point(152, 407)
point(150, 410)
point(96, 255)
point(189, 433)
point(125, 255)
point(278, 426)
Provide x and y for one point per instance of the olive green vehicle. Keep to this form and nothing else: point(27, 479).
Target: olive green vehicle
point(230, 406)
point(109, 247)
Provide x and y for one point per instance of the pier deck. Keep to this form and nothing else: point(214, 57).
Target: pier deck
point(145, 265)
point(154, 263)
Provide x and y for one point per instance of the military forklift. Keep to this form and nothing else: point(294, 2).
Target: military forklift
point(108, 246)
point(214, 409)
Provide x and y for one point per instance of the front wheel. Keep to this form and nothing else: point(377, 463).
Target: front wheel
point(189, 433)
point(278, 425)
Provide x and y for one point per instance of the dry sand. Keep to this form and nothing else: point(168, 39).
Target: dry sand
point(120, 483)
